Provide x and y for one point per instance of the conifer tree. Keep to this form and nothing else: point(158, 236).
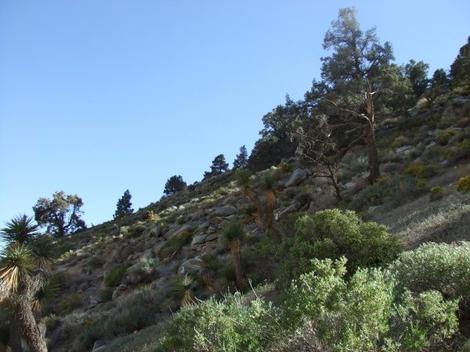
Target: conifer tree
point(241, 160)
point(174, 185)
point(219, 166)
point(124, 205)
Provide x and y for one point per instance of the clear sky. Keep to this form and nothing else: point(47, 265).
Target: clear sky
point(97, 96)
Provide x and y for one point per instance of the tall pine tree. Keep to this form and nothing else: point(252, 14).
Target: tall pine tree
point(241, 160)
point(124, 205)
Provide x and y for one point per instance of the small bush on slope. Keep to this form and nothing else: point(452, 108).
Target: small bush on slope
point(364, 313)
point(435, 266)
point(334, 233)
point(229, 326)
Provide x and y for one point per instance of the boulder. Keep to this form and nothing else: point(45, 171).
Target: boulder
point(178, 231)
point(192, 265)
point(198, 239)
point(224, 211)
point(120, 290)
point(296, 178)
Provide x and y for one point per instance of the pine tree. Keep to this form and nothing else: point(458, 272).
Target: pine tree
point(174, 185)
point(219, 166)
point(241, 160)
point(124, 205)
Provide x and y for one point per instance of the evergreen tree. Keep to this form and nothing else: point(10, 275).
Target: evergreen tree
point(417, 73)
point(124, 205)
point(219, 166)
point(241, 160)
point(355, 71)
point(460, 69)
point(174, 185)
point(61, 214)
point(440, 84)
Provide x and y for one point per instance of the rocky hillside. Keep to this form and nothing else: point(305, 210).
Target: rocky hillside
point(117, 282)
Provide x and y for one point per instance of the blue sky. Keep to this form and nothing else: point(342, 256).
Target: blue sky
point(97, 96)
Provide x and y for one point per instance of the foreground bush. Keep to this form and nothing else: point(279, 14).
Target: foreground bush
point(334, 233)
point(363, 313)
point(322, 310)
point(435, 266)
point(229, 326)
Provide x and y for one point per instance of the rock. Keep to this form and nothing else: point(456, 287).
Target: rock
point(296, 178)
point(99, 345)
point(198, 239)
point(155, 230)
point(405, 151)
point(139, 273)
point(119, 291)
point(202, 226)
point(224, 211)
point(179, 231)
point(212, 237)
point(191, 265)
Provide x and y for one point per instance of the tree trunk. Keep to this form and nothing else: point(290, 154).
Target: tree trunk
point(373, 156)
point(15, 337)
point(28, 326)
point(235, 251)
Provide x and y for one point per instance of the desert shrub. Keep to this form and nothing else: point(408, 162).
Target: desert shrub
point(114, 277)
point(399, 141)
point(432, 266)
point(70, 302)
point(436, 193)
point(364, 313)
point(443, 136)
point(229, 325)
point(136, 231)
point(463, 149)
point(463, 184)
point(420, 170)
point(334, 233)
point(395, 189)
point(175, 243)
point(374, 194)
point(96, 262)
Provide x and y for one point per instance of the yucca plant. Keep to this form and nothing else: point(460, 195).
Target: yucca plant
point(20, 229)
point(233, 233)
point(21, 278)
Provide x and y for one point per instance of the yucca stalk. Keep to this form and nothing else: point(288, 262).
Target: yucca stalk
point(233, 233)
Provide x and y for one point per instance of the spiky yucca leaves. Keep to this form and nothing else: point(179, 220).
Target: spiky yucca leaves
point(233, 233)
point(20, 229)
point(22, 276)
point(17, 261)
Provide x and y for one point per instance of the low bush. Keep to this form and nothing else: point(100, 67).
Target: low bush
point(435, 266)
point(71, 302)
point(463, 184)
point(363, 313)
point(334, 233)
point(174, 244)
point(114, 277)
point(436, 193)
point(230, 325)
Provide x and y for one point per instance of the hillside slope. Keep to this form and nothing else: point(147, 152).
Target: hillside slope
point(118, 281)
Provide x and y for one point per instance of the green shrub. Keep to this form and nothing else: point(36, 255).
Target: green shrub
point(374, 194)
point(174, 244)
point(71, 302)
point(96, 262)
point(436, 193)
point(230, 325)
point(419, 170)
point(463, 184)
point(463, 149)
point(364, 313)
point(399, 141)
point(334, 233)
point(441, 267)
point(114, 277)
point(443, 136)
